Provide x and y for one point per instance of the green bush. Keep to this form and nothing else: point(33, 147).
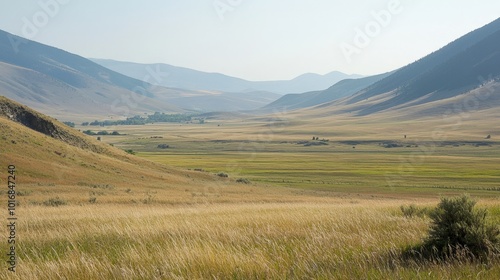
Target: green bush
point(130, 152)
point(89, 132)
point(243, 181)
point(70, 124)
point(55, 202)
point(457, 225)
point(222, 174)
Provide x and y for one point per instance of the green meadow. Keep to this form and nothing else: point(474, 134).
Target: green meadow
point(358, 166)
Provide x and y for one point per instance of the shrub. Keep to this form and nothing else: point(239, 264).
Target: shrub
point(70, 124)
point(222, 174)
point(55, 202)
point(89, 132)
point(150, 198)
point(130, 152)
point(457, 225)
point(163, 146)
point(243, 181)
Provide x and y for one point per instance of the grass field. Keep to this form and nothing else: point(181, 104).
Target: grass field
point(338, 239)
point(304, 212)
point(419, 167)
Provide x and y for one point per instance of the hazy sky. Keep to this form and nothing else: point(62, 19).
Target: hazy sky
point(251, 39)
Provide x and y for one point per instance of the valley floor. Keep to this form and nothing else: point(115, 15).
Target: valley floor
point(273, 206)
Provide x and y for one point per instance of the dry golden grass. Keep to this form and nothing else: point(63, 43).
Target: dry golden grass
point(340, 239)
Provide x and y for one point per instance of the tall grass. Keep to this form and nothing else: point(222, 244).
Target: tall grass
point(336, 240)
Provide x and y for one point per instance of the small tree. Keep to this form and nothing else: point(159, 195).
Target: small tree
point(457, 225)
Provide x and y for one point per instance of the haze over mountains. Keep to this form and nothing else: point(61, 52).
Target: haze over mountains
point(459, 67)
point(339, 90)
point(466, 70)
point(63, 84)
point(179, 77)
point(464, 73)
point(66, 85)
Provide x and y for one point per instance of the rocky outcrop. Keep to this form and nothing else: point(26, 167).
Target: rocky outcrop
point(45, 125)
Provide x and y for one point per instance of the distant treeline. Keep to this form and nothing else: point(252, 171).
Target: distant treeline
point(138, 120)
point(90, 132)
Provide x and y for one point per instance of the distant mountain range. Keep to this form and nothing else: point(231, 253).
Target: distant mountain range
point(68, 86)
point(339, 90)
point(179, 77)
point(65, 85)
point(462, 75)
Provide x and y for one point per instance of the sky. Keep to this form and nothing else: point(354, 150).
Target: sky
point(251, 39)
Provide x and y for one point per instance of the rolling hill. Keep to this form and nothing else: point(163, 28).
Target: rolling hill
point(179, 77)
point(52, 157)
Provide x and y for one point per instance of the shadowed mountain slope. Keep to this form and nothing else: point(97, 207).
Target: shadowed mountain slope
point(339, 90)
point(64, 85)
point(459, 67)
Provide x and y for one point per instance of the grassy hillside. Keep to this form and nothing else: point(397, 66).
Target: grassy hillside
point(58, 161)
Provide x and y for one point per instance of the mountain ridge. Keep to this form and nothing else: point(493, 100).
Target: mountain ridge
point(443, 76)
point(181, 77)
point(341, 89)
point(409, 74)
point(66, 85)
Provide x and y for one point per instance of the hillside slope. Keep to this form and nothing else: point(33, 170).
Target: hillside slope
point(461, 66)
point(50, 156)
point(339, 90)
point(63, 84)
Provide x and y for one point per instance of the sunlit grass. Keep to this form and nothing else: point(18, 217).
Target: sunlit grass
point(334, 240)
point(326, 212)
